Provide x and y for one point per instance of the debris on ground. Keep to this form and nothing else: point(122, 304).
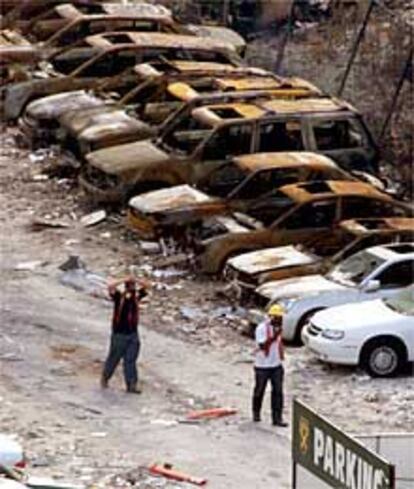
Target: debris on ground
point(77, 276)
point(93, 219)
point(211, 413)
point(166, 470)
point(29, 266)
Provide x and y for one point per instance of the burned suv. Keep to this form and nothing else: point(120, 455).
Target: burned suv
point(203, 138)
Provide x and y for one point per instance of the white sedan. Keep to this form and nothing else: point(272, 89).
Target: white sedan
point(378, 335)
point(378, 272)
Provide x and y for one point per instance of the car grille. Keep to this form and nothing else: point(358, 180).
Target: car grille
point(259, 300)
point(100, 179)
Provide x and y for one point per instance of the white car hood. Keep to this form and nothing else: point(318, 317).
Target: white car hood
point(355, 316)
point(168, 199)
point(298, 287)
point(270, 259)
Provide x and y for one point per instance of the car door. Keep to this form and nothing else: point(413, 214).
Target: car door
point(393, 279)
point(280, 135)
point(345, 139)
point(226, 141)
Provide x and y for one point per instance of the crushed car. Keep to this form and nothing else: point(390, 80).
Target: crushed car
point(202, 138)
point(246, 271)
point(378, 272)
point(242, 182)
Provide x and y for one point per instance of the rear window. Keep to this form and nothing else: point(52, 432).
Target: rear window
point(338, 134)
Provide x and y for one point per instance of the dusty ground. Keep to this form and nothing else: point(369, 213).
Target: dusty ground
point(53, 340)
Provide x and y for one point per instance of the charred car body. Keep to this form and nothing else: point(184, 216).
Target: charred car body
point(243, 182)
point(295, 214)
point(247, 271)
point(102, 58)
point(203, 138)
point(151, 103)
point(114, 63)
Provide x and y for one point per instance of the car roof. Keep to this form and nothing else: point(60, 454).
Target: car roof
point(309, 191)
point(155, 40)
point(139, 10)
point(297, 159)
point(215, 114)
point(184, 67)
point(188, 89)
point(393, 252)
point(383, 225)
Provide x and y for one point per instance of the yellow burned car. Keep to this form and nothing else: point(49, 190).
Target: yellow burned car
point(198, 140)
point(315, 255)
point(297, 213)
point(236, 186)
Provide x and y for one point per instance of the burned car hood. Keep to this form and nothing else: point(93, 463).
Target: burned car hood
point(53, 106)
point(110, 124)
point(126, 157)
point(270, 259)
point(298, 287)
point(168, 199)
point(76, 121)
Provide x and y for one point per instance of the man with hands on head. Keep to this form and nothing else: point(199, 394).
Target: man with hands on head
point(125, 342)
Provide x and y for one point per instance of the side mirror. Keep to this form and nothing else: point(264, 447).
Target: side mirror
point(372, 286)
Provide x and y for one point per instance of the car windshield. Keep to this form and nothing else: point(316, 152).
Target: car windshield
point(355, 269)
point(185, 136)
point(402, 303)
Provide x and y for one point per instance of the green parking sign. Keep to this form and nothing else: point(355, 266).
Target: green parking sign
point(335, 457)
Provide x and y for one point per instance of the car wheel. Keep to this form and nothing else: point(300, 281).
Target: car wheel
point(303, 321)
point(383, 357)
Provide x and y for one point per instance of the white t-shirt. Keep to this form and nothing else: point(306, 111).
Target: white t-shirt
point(263, 331)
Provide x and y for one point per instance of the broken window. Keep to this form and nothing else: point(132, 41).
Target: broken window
point(354, 207)
point(280, 136)
point(312, 215)
point(222, 180)
point(229, 141)
point(397, 275)
point(337, 134)
point(263, 182)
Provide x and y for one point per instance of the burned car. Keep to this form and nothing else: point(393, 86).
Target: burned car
point(203, 138)
point(152, 102)
point(296, 213)
point(247, 271)
point(103, 57)
point(243, 182)
point(66, 24)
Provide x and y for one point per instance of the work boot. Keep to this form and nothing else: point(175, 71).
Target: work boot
point(104, 382)
point(279, 422)
point(133, 389)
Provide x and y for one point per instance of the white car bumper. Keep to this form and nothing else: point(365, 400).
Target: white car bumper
point(331, 351)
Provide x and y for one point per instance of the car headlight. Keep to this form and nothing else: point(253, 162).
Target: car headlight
point(287, 304)
point(333, 334)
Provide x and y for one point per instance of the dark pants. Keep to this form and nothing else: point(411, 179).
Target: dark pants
point(126, 347)
point(262, 376)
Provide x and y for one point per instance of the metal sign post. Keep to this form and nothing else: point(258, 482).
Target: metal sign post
point(333, 456)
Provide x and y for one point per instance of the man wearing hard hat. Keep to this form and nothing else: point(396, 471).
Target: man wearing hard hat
point(268, 366)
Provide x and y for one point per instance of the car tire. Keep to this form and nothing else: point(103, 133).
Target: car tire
point(303, 321)
point(383, 357)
